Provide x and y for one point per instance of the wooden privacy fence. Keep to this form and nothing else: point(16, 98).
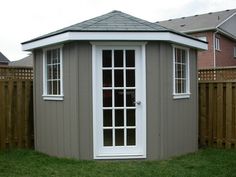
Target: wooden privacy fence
point(16, 107)
point(217, 108)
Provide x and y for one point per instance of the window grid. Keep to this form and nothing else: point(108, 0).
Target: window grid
point(114, 88)
point(53, 72)
point(180, 71)
point(217, 43)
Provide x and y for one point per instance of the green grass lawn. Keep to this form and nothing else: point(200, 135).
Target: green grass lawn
point(205, 163)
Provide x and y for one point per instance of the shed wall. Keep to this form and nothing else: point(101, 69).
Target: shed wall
point(64, 128)
point(58, 127)
point(171, 123)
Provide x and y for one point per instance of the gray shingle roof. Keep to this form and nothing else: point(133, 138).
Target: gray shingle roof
point(3, 59)
point(110, 22)
point(198, 22)
point(27, 61)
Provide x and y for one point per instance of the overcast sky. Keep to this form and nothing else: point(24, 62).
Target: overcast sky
point(22, 20)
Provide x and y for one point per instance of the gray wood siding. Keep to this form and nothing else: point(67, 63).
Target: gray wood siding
point(65, 128)
point(85, 101)
point(57, 121)
point(171, 123)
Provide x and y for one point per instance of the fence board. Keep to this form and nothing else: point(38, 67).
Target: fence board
point(28, 96)
point(234, 117)
point(20, 114)
point(16, 107)
point(210, 113)
point(2, 117)
point(202, 106)
point(217, 114)
point(228, 114)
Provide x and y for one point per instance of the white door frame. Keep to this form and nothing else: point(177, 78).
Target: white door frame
point(141, 151)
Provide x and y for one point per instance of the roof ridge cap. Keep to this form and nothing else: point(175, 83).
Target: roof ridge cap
point(109, 15)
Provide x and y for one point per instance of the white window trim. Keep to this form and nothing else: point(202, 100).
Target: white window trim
point(187, 94)
point(217, 43)
point(114, 45)
point(45, 95)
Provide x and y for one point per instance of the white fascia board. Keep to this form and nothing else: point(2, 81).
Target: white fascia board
point(115, 36)
point(45, 42)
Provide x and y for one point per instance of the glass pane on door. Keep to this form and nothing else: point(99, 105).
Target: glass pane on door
point(119, 96)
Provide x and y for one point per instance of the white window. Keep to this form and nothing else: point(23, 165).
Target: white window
point(52, 72)
point(234, 52)
point(203, 38)
point(217, 43)
point(181, 72)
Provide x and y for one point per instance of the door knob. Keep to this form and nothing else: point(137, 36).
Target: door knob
point(137, 102)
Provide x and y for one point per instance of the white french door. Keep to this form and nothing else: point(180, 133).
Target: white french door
point(119, 102)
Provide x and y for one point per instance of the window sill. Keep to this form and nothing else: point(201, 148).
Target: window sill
point(181, 96)
point(53, 97)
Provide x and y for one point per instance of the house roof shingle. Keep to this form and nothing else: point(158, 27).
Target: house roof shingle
point(114, 21)
point(201, 22)
point(3, 58)
point(27, 61)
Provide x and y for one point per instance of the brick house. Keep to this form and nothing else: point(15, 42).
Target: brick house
point(218, 29)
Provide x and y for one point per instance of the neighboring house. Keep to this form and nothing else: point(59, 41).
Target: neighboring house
point(3, 60)
point(24, 62)
point(115, 87)
point(218, 29)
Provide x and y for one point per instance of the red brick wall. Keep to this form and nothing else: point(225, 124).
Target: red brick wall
point(206, 58)
point(225, 57)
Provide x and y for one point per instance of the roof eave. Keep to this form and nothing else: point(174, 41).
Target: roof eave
point(116, 36)
point(226, 33)
point(199, 30)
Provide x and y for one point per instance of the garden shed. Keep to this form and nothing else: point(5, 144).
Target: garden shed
point(115, 87)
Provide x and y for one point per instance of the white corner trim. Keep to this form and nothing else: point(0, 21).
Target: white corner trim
point(94, 100)
point(115, 36)
point(144, 87)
